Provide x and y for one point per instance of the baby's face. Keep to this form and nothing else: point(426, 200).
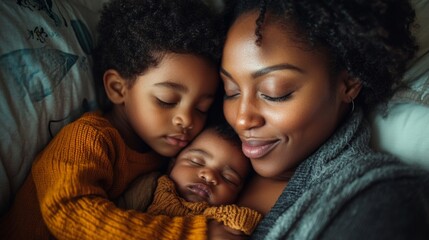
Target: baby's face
point(211, 169)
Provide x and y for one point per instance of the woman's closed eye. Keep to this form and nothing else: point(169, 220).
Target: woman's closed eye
point(277, 99)
point(231, 89)
point(229, 96)
point(231, 93)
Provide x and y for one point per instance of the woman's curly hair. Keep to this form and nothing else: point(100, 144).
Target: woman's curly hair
point(134, 35)
point(371, 39)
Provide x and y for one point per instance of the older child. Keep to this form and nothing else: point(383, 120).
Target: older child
point(205, 177)
point(297, 76)
point(157, 61)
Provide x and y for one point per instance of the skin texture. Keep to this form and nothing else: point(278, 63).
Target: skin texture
point(166, 106)
point(282, 99)
point(291, 70)
point(203, 173)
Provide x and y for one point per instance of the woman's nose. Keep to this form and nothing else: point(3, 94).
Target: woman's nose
point(248, 116)
point(208, 175)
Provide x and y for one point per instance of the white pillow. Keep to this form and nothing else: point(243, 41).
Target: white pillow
point(45, 79)
point(403, 132)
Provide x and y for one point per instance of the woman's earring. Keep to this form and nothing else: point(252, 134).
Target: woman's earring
point(353, 105)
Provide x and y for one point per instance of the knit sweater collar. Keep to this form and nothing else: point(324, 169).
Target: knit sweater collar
point(351, 136)
point(323, 183)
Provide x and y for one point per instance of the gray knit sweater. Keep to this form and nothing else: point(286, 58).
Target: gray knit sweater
point(346, 191)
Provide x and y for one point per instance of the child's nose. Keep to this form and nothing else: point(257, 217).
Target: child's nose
point(183, 120)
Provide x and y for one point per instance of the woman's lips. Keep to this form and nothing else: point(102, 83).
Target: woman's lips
point(256, 148)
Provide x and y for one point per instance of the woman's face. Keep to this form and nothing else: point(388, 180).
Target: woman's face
point(280, 96)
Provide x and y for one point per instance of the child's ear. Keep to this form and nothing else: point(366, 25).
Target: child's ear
point(349, 87)
point(115, 86)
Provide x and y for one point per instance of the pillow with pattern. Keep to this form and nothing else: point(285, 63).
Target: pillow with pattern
point(45, 79)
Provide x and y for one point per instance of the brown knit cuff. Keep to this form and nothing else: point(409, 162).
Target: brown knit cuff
point(167, 202)
point(238, 218)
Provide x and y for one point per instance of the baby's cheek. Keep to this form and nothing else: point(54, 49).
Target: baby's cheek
point(229, 195)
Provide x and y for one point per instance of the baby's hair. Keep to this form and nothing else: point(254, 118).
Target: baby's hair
point(225, 131)
point(135, 35)
point(371, 39)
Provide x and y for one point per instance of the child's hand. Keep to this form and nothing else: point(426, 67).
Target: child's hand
point(218, 231)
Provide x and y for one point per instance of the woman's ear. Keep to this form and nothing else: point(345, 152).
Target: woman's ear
point(115, 86)
point(350, 87)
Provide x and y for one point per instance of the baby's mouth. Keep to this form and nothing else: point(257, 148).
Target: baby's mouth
point(201, 190)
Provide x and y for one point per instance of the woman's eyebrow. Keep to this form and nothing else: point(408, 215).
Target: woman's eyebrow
point(224, 72)
point(278, 67)
point(267, 70)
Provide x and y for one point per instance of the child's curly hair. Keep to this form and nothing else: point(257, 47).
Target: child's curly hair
point(371, 39)
point(135, 35)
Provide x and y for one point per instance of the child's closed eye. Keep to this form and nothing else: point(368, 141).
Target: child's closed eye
point(165, 104)
point(196, 162)
point(231, 179)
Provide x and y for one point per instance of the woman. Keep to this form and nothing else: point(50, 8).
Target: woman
point(298, 76)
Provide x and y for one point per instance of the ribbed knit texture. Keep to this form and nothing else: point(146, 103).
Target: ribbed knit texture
point(74, 180)
point(327, 180)
point(167, 202)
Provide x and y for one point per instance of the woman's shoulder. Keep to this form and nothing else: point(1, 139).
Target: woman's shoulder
point(374, 195)
point(395, 208)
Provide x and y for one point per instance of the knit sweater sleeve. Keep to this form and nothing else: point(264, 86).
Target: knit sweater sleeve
point(167, 202)
point(238, 218)
point(73, 176)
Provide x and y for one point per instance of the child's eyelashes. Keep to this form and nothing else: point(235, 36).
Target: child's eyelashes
point(230, 180)
point(196, 162)
point(165, 104)
point(202, 111)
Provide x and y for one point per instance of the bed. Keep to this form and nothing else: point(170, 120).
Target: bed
point(46, 82)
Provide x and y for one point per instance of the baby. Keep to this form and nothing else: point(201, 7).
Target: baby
point(204, 179)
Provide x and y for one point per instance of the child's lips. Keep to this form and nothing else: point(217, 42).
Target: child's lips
point(201, 190)
point(177, 140)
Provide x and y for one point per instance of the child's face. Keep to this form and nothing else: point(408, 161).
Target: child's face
point(167, 105)
point(211, 169)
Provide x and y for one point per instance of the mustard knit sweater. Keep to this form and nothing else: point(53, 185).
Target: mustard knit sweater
point(73, 182)
point(166, 201)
